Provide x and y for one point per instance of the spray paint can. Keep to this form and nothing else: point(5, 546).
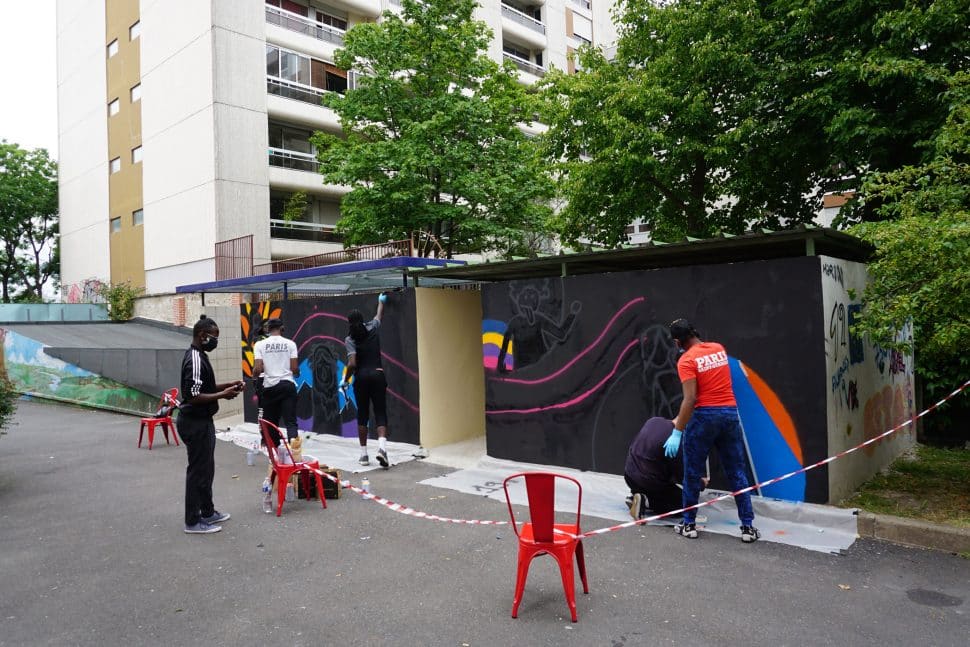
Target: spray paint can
point(365, 485)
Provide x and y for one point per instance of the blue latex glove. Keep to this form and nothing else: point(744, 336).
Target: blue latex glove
point(673, 443)
point(382, 297)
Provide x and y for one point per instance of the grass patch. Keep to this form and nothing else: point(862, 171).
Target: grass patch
point(933, 486)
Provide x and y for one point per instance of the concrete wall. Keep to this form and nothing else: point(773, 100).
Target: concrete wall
point(449, 359)
point(82, 140)
point(868, 389)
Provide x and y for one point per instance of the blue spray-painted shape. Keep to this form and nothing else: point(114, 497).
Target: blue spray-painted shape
point(768, 449)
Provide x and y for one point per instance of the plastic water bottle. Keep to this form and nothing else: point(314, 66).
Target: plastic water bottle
point(251, 456)
point(267, 498)
point(290, 492)
point(365, 485)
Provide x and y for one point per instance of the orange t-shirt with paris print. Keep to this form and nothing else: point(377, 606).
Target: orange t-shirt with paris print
point(707, 362)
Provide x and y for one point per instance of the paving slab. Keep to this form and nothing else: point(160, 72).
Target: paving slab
point(92, 553)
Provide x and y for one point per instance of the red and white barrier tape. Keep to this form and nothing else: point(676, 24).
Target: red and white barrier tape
point(397, 507)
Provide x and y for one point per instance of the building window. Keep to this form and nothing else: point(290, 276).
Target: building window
point(137, 217)
point(134, 31)
point(115, 225)
point(112, 48)
point(115, 165)
point(290, 138)
point(333, 21)
point(136, 93)
point(114, 108)
point(136, 154)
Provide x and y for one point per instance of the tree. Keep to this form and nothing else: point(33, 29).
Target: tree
point(921, 271)
point(28, 220)
point(431, 140)
point(721, 115)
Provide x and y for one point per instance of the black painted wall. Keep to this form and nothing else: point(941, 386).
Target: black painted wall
point(592, 359)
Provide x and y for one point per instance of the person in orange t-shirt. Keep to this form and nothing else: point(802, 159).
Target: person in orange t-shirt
point(708, 417)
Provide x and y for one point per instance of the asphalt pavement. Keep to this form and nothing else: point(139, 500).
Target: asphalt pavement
point(92, 553)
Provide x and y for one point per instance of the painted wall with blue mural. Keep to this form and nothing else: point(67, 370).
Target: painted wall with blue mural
point(34, 372)
point(319, 327)
point(574, 366)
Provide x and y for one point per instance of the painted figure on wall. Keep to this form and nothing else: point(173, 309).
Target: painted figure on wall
point(533, 330)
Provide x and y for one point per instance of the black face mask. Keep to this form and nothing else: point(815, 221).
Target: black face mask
point(210, 344)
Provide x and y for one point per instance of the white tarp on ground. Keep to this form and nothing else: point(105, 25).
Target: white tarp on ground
point(331, 450)
point(814, 527)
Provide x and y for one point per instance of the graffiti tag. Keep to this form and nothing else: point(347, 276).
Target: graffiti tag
point(834, 271)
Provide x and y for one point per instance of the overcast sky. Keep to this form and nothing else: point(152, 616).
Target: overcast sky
point(28, 109)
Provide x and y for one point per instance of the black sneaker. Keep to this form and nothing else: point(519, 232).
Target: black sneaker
point(749, 534)
point(382, 459)
point(363, 460)
point(688, 530)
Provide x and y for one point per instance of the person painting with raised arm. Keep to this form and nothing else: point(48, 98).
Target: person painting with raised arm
point(708, 417)
point(370, 387)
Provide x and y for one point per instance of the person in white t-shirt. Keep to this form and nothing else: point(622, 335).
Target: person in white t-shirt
point(277, 364)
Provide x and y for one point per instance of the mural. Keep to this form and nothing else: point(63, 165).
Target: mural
point(319, 326)
point(598, 362)
point(34, 372)
point(869, 388)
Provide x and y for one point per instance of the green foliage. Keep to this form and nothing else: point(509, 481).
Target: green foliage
point(8, 402)
point(296, 207)
point(29, 254)
point(120, 299)
point(432, 143)
point(720, 115)
point(921, 271)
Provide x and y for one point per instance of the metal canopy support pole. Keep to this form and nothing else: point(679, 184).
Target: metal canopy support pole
point(809, 247)
point(564, 274)
point(286, 291)
point(404, 276)
point(203, 299)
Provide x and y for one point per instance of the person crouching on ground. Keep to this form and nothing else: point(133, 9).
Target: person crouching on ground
point(652, 476)
point(200, 402)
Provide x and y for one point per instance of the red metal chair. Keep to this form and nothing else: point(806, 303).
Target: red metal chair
point(167, 404)
point(542, 535)
point(284, 471)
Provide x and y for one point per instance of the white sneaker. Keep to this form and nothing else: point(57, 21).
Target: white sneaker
point(363, 460)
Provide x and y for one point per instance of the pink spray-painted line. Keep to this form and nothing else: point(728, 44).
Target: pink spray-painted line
point(399, 365)
point(407, 403)
point(578, 398)
point(609, 324)
point(330, 315)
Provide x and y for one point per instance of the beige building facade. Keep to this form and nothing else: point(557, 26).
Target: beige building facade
point(184, 124)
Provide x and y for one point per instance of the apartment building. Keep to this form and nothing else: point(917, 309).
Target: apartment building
point(184, 124)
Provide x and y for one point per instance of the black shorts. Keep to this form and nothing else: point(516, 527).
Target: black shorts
point(371, 388)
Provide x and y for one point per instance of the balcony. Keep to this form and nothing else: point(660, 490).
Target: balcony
point(526, 66)
point(303, 25)
point(298, 230)
point(291, 90)
point(515, 15)
point(294, 171)
point(294, 160)
point(585, 4)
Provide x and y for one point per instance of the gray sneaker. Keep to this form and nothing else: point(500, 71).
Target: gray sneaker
point(202, 528)
point(363, 460)
point(216, 517)
point(382, 458)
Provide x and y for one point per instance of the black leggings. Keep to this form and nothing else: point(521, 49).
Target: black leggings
point(371, 388)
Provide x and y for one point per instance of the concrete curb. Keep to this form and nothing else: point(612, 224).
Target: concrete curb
point(912, 532)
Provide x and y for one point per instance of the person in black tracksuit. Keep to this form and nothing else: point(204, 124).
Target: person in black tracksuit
point(200, 402)
point(651, 475)
point(370, 387)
